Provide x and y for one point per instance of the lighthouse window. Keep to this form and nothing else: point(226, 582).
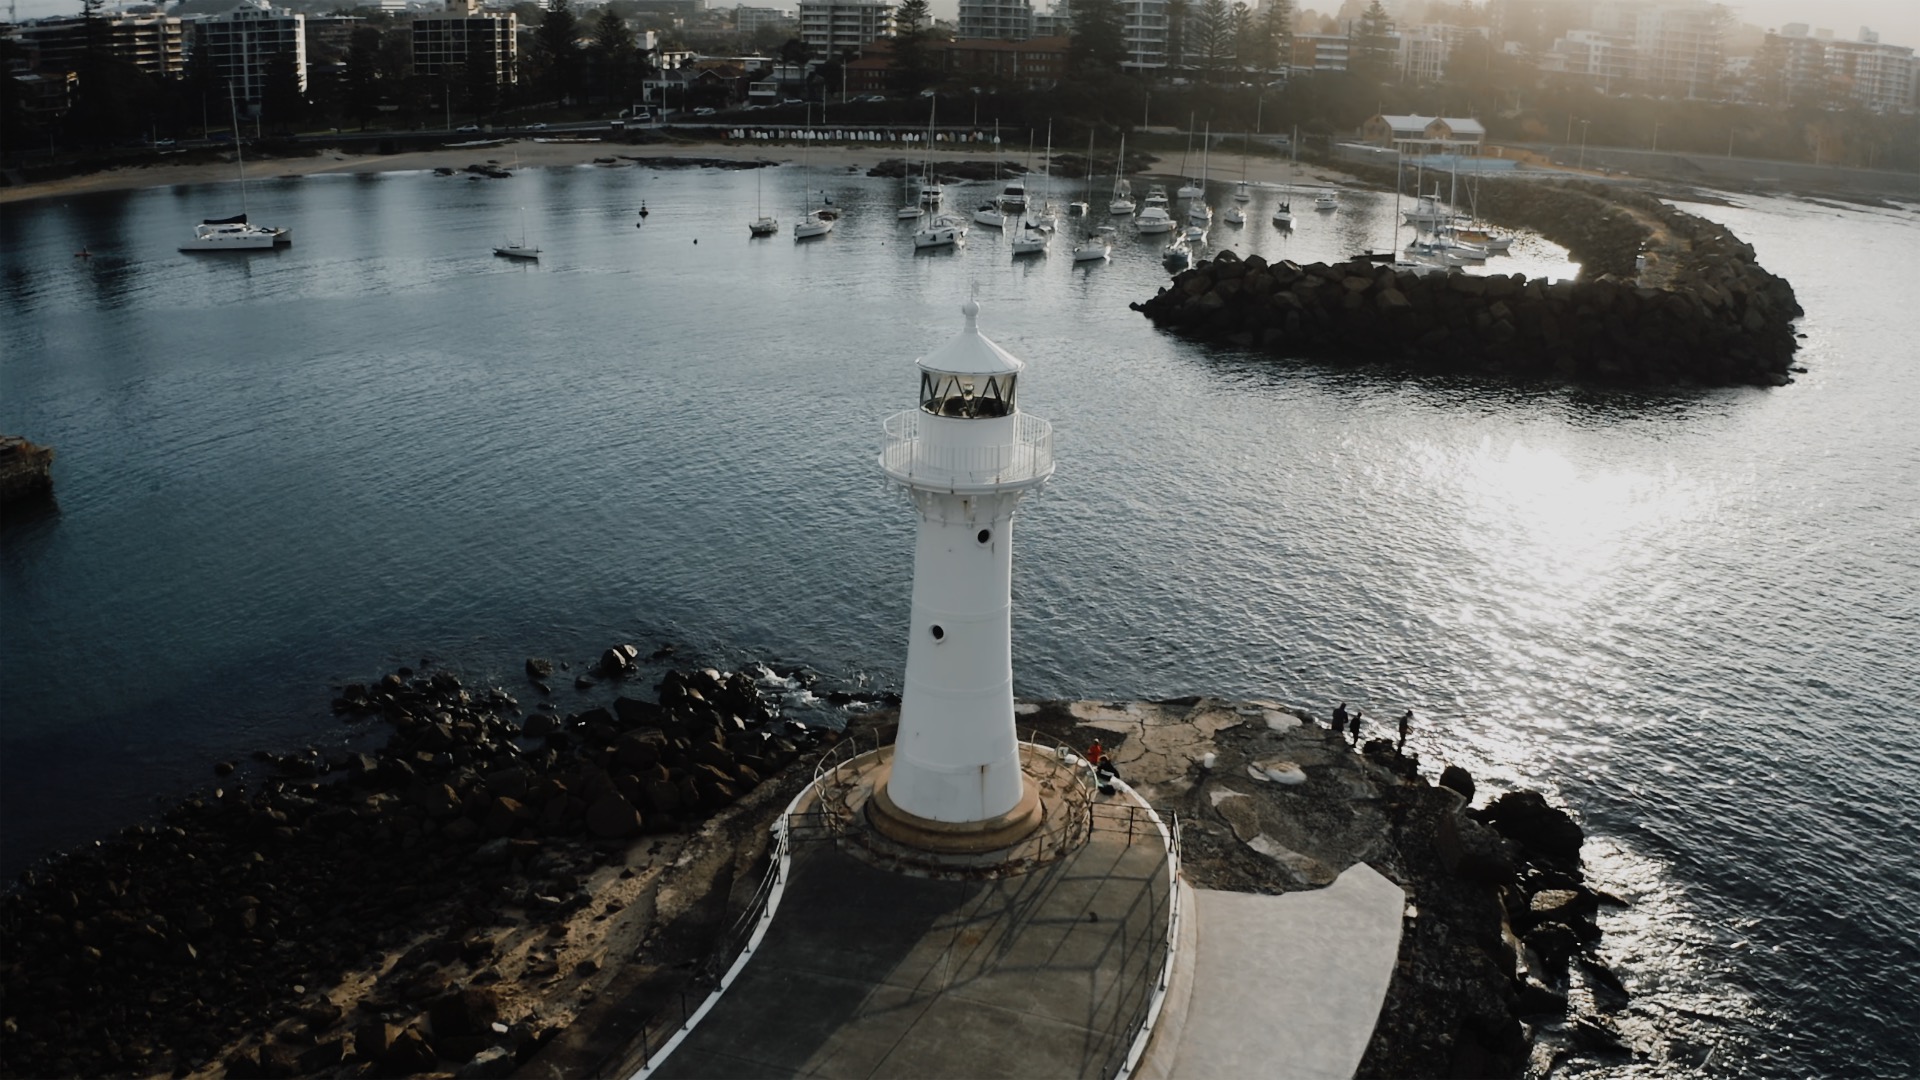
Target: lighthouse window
point(984, 535)
point(967, 396)
point(939, 632)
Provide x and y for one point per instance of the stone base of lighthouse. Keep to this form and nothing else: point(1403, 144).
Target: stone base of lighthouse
point(963, 837)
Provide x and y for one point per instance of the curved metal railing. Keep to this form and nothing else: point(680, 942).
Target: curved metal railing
point(908, 457)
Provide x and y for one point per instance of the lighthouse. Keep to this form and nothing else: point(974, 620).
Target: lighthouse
point(965, 456)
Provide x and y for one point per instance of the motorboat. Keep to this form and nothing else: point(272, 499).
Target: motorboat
point(1156, 196)
point(945, 230)
point(1013, 197)
point(910, 213)
point(1283, 215)
point(1234, 215)
point(990, 215)
point(1200, 213)
point(1030, 239)
point(1154, 219)
point(1099, 245)
point(930, 194)
point(1326, 200)
point(1195, 235)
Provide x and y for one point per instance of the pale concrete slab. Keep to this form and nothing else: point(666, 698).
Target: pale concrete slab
point(1288, 985)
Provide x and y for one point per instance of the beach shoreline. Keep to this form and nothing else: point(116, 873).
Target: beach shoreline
point(537, 153)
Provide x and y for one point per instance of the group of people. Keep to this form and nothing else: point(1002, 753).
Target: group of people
point(1350, 724)
point(1104, 771)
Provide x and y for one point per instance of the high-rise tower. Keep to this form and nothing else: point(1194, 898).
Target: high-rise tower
point(965, 456)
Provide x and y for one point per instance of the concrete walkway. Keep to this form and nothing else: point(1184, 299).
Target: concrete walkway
point(866, 973)
point(1282, 986)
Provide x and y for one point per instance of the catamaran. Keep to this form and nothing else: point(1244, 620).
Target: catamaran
point(235, 233)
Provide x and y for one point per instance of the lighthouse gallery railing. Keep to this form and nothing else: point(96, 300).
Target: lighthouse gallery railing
point(908, 458)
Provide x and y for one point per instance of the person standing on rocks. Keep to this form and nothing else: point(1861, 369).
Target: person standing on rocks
point(1406, 721)
point(1353, 726)
point(1339, 718)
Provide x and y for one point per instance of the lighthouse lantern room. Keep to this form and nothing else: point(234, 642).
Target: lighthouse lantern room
point(965, 457)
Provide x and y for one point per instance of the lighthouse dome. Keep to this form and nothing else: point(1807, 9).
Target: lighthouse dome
point(969, 377)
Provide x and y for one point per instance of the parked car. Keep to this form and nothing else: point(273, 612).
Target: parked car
point(703, 111)
point(468, 128)
point(536, 127)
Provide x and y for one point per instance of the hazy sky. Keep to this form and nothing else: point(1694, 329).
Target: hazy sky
point(1898, 21)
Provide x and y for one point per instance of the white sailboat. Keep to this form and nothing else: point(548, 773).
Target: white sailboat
point(235, 233)
point(521, 250)
point(945, 230)
point(1080, 207)
point(1283, 210)
point(815, 221)
point(1098, 245)
point(763, 223)
point(1122, 202)
point(991, 213)
point(1193, 188)
point(1198, 212)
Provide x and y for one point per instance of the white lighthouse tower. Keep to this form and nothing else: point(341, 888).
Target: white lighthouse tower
point(966, 455)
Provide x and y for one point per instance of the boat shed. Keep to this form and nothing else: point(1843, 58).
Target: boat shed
point(1426, 134)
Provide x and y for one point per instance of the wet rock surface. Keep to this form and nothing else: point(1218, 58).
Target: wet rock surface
point(1705, 312)
point(1469, 993)
point(474, 894)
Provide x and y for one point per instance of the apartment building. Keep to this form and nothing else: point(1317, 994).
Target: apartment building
point(997, 20)
point(1602, 58)
point(1318, 52)
point(1879, 76)
point(156, 44)
point(1143, 32)
point(831, 27)
point(749, 20)
point(243, 44)
point(479, 44)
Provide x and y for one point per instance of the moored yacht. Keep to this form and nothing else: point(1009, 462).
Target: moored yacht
point(1154, 219)
point(945, 230)
point(234, 234)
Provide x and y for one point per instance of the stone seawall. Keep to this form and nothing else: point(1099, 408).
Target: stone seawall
point(1703, 312)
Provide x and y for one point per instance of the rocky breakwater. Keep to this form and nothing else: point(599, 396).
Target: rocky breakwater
point(458, 900)
point(1500, 923)
point(1721, 320)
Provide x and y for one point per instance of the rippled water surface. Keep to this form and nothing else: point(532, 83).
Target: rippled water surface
point(1691, 615)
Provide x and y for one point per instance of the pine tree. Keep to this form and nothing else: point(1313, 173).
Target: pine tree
point(613, 52)
point(1370, 52)
point(1276, 36)
point(912, 71)
point(1099, 40)
point(1212, 36)
point(558, 55)
point(1176, 33)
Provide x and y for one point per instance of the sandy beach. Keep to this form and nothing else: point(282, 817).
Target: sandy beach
point(535, 154)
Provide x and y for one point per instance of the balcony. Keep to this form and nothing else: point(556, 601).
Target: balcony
point(1023, 462)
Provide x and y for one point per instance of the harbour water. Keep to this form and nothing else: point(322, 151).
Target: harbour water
point(1690, 615)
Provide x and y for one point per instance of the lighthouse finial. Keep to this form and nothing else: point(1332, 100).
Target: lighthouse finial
point(971, 309)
